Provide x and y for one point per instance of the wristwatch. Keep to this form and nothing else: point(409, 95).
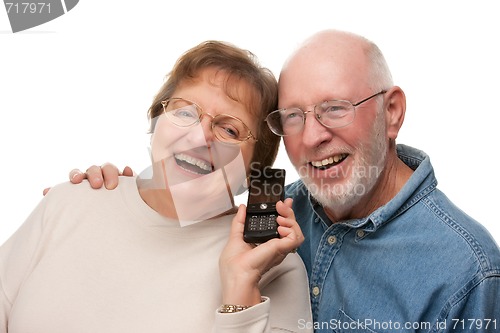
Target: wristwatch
point(231, 308)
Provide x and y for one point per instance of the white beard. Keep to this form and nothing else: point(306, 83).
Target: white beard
point(364, 175)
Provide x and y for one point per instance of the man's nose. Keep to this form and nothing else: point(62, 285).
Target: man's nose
point(314, 133)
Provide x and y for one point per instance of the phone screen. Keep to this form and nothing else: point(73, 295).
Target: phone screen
point(266, 188)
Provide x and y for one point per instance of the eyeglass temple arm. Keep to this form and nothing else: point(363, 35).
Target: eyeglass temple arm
point(379, 93)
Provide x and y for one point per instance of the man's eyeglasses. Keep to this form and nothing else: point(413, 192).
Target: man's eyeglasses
point(226, 128)
point(331, 114)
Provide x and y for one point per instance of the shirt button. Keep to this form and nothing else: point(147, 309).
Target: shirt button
point(360, 233)
point(315, 291)
point(332, 240)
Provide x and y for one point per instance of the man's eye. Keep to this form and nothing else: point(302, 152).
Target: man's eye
point(291, 115)
point(334, 108)
point(334, 111)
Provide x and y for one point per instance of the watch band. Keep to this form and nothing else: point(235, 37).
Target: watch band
point(232, 308)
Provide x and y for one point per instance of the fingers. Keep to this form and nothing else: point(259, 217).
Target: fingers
point(239, 256)
point(76, 176)
point(289, 229)
point(106, 174)
point(238, 222)
point(285, 208)
point(110, 174)
point(241, 214)
point(288, 202)
point(94, 176)
point(127, 171)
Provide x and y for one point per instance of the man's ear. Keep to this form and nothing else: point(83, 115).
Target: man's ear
point(395, 109)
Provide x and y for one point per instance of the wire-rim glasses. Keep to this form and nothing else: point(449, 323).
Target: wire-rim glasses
point(226, 128)
point(331, 114)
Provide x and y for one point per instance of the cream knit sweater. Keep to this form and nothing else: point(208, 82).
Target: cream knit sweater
point(103, 261)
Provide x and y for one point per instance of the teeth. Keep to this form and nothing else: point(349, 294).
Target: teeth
point(330, 160)
point(194, 161)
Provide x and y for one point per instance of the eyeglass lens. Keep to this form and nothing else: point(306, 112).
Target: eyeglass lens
point(226, 128)
point(330, 114)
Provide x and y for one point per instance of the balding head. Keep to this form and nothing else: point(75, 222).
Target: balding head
point(332, 64)
point(328, 44)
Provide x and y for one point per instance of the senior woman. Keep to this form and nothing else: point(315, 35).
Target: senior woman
point(164, 252)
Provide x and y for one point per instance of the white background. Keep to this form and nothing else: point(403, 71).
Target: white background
point(75, 91)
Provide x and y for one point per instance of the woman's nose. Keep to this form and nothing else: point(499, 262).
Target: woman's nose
point(206, 125)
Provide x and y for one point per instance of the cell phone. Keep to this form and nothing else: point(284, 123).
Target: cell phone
point(266, 188)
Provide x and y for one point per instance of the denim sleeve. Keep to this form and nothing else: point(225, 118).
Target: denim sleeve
point(477, 309)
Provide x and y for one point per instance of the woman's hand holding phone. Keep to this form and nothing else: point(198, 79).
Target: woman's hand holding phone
point(242, 264)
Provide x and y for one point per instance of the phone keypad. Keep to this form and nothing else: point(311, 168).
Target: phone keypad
point(262, 222)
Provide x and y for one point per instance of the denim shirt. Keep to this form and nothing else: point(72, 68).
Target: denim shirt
point(416, 264)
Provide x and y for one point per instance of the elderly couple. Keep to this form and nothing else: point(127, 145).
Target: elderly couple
point(378, 251)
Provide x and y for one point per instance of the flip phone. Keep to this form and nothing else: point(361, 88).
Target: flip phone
point(267, 187)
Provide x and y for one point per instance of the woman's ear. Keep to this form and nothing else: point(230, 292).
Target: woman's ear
point(395, 109)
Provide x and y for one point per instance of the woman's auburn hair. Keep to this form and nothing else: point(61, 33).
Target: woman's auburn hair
point(239, 66)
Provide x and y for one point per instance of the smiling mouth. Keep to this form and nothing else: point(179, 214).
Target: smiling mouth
point(192, 164)
point(329, 162)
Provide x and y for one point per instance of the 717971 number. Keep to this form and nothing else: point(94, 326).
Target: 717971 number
point(27, 7)
point(471, 324)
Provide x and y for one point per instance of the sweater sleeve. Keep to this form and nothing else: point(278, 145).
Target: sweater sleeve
point(17, 256)
point(286, 306)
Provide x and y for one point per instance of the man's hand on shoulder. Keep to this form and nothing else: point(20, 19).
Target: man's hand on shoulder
point(106, 174)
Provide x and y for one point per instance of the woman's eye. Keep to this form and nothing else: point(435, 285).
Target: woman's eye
point(227, 129)
point(185, 113)
point(230, 131)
